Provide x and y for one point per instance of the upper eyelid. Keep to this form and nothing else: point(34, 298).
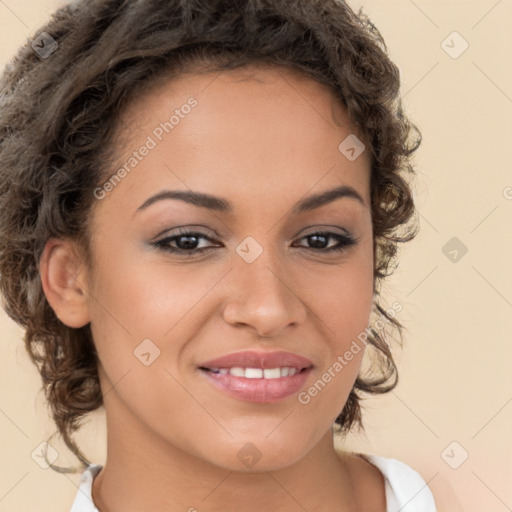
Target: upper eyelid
point(184, 230)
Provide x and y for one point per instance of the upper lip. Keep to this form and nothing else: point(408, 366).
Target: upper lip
point(255, 359)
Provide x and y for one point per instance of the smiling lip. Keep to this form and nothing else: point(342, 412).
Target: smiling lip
point(253, 359)
point(258, 389)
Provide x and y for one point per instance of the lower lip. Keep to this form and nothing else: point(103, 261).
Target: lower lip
point(258, 390)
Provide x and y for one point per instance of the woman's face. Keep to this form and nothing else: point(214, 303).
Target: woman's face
point(260, 143)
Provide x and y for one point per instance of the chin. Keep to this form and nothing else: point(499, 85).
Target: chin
point(257, 454)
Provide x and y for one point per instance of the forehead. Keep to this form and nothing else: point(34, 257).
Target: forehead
point(264, 128)
point(243, 91)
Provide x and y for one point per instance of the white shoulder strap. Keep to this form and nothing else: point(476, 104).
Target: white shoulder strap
point(406, 491)
point(83, 500)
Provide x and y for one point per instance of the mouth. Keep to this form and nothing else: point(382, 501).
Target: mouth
point(257, 373)
point(258, 376)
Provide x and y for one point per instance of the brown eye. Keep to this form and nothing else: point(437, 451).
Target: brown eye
point(319, 241)
point(185, 242)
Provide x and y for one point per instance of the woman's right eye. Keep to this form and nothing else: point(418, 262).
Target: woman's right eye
point(186, 242)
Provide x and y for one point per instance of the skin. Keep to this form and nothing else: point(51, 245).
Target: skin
point(173, 438)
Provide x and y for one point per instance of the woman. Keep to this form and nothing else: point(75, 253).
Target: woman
point(197, 216)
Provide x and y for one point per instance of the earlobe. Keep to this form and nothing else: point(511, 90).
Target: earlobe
point(63, 277)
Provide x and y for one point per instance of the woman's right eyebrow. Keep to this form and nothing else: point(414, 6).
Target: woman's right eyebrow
point(196, 198)
point(223, 205)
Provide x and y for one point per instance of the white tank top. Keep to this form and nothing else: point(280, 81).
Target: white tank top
point(406, 491)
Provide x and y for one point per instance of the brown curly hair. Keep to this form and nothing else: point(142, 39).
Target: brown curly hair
point(58, 117)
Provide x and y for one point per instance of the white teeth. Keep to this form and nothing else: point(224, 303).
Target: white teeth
point(257, 373)
point(273, 373)
point(253, 373)
point(237, 372)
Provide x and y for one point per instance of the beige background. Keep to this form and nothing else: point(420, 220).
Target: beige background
point(456, 382)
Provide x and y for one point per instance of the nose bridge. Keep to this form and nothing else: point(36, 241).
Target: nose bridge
point(263, 294)
point(262, 279)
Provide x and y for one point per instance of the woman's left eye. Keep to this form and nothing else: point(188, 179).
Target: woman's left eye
point(187, 242)
point(319, 238)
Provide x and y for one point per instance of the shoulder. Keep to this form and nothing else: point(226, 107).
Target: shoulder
point(404, 488)
point(412, 492)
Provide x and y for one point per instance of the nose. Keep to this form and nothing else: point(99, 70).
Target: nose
point(262, 297)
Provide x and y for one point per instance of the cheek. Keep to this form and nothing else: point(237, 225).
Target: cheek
point(342, 295)
point(342, 309)
point(342, 300)
point(144, 298)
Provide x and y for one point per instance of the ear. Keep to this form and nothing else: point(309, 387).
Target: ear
point(64, 277)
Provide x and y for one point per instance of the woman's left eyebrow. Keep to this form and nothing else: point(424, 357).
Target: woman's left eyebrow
point(222, 205)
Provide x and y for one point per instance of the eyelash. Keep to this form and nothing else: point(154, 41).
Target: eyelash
point(344, 242)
